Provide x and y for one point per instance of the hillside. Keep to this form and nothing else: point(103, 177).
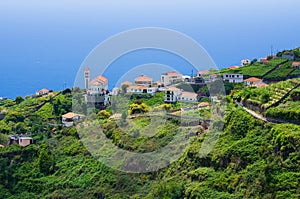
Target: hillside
point(251, 159)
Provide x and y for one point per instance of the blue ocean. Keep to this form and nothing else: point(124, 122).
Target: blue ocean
point(43, 44)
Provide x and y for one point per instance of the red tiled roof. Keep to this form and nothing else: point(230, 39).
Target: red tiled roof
point(295, 64)
point(252, 79)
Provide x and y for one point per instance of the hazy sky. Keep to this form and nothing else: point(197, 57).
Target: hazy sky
point(55, 36)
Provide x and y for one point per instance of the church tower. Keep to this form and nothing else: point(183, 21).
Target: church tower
point(87, 78)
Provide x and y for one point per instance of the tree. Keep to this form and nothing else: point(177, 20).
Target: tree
point(19, 99)
point(45, 161)
point(124, 88)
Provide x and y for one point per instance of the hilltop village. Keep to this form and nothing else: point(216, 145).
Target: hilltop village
point(171, 83)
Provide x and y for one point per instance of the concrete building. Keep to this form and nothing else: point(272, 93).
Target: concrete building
point(43, 91)
point(20, 140)
point(70, 119)
point(172, 94)
point(143, 80)
point(170, 78)
point(140, 89)
point(253, 81)
point(233, 78)
point(188, 97)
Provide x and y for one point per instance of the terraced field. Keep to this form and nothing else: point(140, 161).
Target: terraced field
point(288, 110)
point(267, 96)
point(281, 72)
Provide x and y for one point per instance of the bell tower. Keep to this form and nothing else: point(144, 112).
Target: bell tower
point(87, 78)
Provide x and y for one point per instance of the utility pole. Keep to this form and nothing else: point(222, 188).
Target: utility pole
point(271, 50)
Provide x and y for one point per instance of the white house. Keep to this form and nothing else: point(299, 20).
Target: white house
point(245, 62)
point(253, 81)
point(137, 89)
point(115, 91)
point(21, 140)
point(25, 141)
point(143, 80)
point(172, 95)
point(233, 78)
point(188, 97)
point(186, 78)
point(43, 91)
point(70, 118)
point(170, 78)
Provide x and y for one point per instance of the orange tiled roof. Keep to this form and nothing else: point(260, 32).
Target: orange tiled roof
point(204, 72)
point(126, 83)
point(143, 78)
point(172, 73)
point(252, 79)
point(137, 87)
point(70, 115)
point(101, 78)
point(295, 64)
point(173, 89)
point(204, 104)
point(44, 90)
point(189, 94)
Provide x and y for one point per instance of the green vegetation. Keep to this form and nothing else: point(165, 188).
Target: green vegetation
point(250, 159)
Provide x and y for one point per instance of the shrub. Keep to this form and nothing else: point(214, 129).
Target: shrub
point(103, 114)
